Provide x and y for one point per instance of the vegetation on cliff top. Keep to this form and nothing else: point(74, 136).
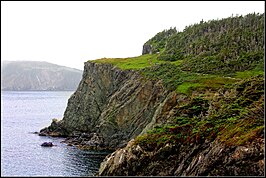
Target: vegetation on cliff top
point(219, 66)
point(157, 43)
point(234, 117)
point(135, 63)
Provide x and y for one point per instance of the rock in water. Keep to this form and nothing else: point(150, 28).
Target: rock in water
point(47, 144)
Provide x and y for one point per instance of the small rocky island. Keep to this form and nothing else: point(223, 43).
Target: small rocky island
point(191, 105)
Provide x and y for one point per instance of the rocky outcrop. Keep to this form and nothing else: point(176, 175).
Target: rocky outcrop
point(90, 141)
point(147, 49)
point(116, 105)
point(47, 144)
point(56, 129)
point(206, 159)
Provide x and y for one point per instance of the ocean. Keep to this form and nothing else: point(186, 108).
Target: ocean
point(25, 112)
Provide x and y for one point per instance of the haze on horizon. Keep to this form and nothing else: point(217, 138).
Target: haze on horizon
point(69, 33)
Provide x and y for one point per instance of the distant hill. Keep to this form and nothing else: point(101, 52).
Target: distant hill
point(38, 75)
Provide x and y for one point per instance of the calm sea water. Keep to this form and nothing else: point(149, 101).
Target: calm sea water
point(21, 153)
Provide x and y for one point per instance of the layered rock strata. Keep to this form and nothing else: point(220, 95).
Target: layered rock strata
point(112, 104)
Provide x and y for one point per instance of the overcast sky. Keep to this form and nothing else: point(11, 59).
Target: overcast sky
point(69, 33)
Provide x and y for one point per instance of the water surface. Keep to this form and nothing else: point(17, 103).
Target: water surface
point(21, 154)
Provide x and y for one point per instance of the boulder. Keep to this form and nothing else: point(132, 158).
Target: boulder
point(47, 144)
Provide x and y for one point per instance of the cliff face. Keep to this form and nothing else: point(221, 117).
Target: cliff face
point(112, 104)
point(200, 125)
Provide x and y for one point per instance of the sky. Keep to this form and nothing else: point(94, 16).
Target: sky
point(69, 33)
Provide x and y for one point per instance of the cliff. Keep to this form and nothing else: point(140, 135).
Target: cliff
point(156, 131)
point(38, 75)
point(161, 118)
point(116, 105)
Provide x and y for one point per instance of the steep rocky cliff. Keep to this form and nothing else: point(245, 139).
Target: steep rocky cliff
point(115, 109)
point(116, 105)
point(164, 119)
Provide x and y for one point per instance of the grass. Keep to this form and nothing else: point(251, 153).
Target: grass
point(177, 63)
point(135, 63)
point(170, 72)
point(187, 87)
point(204, 82)
point(248, 73)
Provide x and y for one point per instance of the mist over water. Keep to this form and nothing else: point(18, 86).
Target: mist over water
point(21, 154)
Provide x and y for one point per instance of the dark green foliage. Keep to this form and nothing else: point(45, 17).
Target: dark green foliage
point(197, 106)
point(158, 42)
point(216, 64)
point(173, 54)
point(217, 46)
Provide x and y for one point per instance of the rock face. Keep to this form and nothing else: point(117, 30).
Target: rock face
point(114, 104)
point(147, 49)
point(206, 159)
